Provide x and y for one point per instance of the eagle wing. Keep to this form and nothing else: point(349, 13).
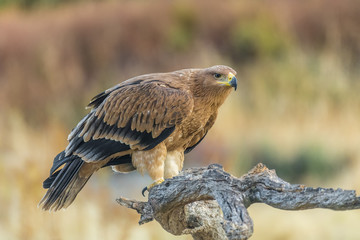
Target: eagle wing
point(133, 115)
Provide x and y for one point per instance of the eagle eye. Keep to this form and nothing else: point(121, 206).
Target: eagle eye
point(217, 75)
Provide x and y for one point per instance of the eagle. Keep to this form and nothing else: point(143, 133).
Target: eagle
point(146, 123)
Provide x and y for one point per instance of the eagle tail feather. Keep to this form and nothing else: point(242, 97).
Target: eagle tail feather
point(65, 184)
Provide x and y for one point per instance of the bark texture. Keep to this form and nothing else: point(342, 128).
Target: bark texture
point(209, 203)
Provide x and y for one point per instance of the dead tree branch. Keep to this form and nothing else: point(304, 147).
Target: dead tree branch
point(209, 203)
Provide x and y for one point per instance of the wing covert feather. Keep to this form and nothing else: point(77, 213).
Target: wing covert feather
point(149, 106)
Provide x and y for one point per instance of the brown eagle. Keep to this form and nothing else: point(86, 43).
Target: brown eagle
point(146, 123)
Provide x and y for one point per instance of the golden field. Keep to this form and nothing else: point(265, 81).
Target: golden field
point(297, 108)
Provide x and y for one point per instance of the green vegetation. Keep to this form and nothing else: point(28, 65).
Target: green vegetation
point(307, 165)
point(182, 31)
point(258, 37)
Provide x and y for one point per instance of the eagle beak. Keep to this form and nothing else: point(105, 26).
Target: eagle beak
point(231, 81)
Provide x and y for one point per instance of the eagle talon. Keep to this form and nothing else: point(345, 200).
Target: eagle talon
point(147, 188)
point(144, 190)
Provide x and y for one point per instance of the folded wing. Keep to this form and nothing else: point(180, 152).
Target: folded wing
point(134, 115)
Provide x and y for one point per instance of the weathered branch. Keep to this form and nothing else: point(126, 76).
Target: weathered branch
point(212, 204)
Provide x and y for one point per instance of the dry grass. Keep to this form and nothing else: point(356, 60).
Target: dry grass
point(298, 70)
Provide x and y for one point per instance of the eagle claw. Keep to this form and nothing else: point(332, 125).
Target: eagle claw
point(147, 188)
point(144, 190)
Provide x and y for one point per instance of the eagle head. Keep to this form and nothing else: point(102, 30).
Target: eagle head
point(214, 81)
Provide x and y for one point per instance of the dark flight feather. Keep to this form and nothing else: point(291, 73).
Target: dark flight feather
point(56, 197)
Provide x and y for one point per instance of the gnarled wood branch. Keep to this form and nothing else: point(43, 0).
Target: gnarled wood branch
point(209, 203)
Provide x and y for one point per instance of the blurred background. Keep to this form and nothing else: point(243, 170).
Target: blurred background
point(297, 107)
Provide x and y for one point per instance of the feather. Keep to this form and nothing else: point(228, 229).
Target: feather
point(60, 183)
